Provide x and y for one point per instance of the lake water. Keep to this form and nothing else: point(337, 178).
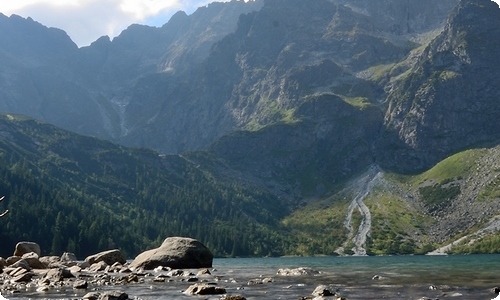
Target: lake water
point(400, 277)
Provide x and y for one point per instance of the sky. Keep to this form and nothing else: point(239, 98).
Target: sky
point(87, 20)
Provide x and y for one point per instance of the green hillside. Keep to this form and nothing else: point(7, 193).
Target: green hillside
point(73, 193)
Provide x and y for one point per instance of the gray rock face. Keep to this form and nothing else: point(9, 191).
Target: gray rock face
point(176, 253)
point(450, 99)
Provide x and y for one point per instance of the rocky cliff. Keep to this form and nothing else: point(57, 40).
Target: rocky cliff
point(449, 100)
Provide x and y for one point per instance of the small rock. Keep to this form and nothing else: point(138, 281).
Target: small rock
point(204, 289)
point(68, 257)
point(113, 296)
point(203, 272)
point(26, 277)
point(323, 291)
point(109, 257)
point(42, 289)
point(80, 284)
point(233, 297)
point(97, 267)
point(91, 296)
point(33, 261)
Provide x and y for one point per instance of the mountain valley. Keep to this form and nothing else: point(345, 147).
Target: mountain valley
point(262, 128)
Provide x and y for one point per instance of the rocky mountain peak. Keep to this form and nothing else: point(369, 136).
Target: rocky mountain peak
point(32, 43)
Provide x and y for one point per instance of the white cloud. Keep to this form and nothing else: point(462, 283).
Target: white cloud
point(87, 20)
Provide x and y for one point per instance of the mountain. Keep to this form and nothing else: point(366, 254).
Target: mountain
point(228, 66)
point(89, 90)
point(348, 127)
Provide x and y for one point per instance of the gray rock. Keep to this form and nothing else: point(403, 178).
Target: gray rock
point(80, 284)
point(49, 261)
point(12, 260)
point(176, 253)
point(113, 296)
point(99, 266)
point(25, 277)
point(13, 272)
point(91, 296)
point(204, 289)
point(56, 275)
point(22, 263)
point(33, 261)
point(26, 247)
point(68, 257)
point(109, 257)
point(322, 291)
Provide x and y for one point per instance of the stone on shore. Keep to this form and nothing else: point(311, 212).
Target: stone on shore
point(175, 253)
point(204, 289)
point(322, 291)
point(68, 257)
point(33, 261)
point(27, 247)
point(109, 257)
point(113, 296)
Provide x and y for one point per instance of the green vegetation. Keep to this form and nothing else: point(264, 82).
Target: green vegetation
point(489, 244)
point(359, 102)
point(378, 72)
point(84, 195)
point(393, 220)
point(73, 193)
point(454, 167)
point(317, 228)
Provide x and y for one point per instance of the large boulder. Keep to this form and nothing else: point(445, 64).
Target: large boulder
point(27, 247)
point(175, 253)
point(109, 257)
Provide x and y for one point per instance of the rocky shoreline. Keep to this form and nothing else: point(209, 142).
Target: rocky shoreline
point(107, 275)
point(174, 261)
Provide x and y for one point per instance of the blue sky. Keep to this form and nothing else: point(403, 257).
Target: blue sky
point(87, 20)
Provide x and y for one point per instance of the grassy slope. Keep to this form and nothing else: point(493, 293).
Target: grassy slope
point(406, 209)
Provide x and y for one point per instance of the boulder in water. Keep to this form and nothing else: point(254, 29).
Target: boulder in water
point(175, 253)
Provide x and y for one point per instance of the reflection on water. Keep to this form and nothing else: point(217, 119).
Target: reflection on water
point(399, 277)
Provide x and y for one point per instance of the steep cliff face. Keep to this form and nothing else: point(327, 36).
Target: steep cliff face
point(449, 100)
